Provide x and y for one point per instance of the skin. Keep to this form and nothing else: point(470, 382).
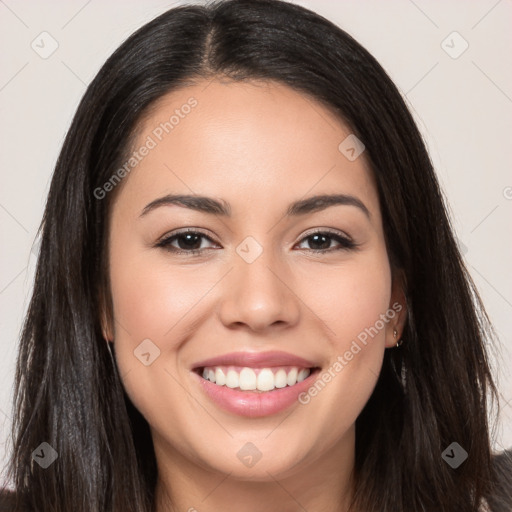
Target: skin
point(258, 146)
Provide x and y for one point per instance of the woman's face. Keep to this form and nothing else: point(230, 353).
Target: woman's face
point(256, 287)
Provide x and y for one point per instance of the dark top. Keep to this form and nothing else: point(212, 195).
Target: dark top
point(501, 501)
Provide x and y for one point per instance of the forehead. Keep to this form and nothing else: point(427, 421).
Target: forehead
point(259, 143)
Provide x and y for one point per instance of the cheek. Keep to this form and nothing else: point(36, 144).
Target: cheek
point(350, 298)
point(350, 303)
point(149, 296)
point(152, 301)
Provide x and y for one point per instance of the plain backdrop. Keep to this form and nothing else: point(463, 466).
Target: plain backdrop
point(458, 85)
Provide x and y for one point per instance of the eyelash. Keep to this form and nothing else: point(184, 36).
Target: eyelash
point(345, 243)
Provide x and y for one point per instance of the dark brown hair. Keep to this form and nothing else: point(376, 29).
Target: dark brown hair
point(433, 390)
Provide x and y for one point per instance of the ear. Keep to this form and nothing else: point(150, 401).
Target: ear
point(398, 305)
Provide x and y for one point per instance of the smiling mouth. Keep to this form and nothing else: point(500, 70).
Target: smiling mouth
point(256, 380)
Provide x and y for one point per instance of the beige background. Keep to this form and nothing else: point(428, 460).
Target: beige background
point(463, 106)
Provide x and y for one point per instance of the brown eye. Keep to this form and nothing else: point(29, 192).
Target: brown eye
point(188, 242)
point(320, 241)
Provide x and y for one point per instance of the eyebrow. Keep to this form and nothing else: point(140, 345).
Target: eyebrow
point(221, 207)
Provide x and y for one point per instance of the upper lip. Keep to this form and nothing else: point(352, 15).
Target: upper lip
point(256, 360)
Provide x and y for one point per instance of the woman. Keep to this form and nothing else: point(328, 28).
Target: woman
point(259, 371)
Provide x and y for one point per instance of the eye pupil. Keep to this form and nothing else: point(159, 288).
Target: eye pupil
point(191, 241)
point(317, 236)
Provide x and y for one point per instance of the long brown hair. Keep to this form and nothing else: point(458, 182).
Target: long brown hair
point(432, 391)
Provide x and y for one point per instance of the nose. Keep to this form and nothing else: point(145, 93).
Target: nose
point(259, 296)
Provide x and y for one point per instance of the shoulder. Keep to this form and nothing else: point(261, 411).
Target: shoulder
point(501, 499)
point(8, 501)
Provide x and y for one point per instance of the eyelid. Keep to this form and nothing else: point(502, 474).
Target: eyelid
point(162, 241)
point(330, 231)
point(345, 240)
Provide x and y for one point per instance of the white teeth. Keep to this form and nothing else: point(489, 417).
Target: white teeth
point(220, 378)
point(232, 379)
point(302, 375)
point(280, 379)
point(292, 377)
point(263, 379)
point(247, 379)
point(266, 380)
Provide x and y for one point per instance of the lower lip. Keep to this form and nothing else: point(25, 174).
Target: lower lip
point(252, 404)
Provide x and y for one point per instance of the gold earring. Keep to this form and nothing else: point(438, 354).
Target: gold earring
point(395, 334)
